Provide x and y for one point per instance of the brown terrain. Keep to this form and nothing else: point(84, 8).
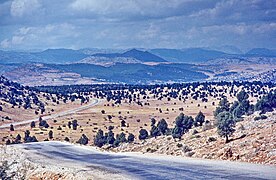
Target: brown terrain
point(253, 141)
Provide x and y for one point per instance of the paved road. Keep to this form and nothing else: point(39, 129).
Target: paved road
point(68, 112)
point(149, 166)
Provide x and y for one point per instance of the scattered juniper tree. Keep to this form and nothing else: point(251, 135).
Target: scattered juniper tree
point(267, 103)
point(143, 134)
point(224, 105)
point(100, 139)
point(11, 128)
point(51, 134)
point(110, 137)
point(123, 123)
point(83, 140)
point(225, 125)
point(120, 138)
point(154, 132)
point(75, 124)
point(182, 125)
point(162, 125)
point(153, 121)
point(199, 119)
point(32, 124)
point(130, 138)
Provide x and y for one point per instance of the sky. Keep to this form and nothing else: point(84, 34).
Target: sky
point(75, 24)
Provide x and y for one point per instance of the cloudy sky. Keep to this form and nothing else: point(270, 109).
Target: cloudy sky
point(42, 24)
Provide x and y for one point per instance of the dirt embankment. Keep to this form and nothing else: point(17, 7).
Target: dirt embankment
point(254, 141)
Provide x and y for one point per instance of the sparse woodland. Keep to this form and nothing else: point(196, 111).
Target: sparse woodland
point(245, 99)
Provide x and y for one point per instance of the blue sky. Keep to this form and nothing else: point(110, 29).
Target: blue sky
point(42, 24)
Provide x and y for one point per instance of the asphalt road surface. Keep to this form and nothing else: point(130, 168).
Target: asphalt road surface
point(154, 167)
point(68, 112)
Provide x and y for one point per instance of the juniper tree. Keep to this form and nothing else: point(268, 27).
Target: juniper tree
point(154, 132)
point(143, 134)
point(162, 125)
point(225, 125)
point(130, 138)
point(199, 119)
point(51, 134)
point(32, 124)
point(83, 140)
point(223, 106)
point(99, 139)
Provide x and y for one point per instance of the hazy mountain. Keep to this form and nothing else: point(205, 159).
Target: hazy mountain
point(262, 52)
point(228, 49)
point(48, 56)
point(143, 56)
point(109, 56)
point(17, 57)
point(191, 55)
point(60, 55)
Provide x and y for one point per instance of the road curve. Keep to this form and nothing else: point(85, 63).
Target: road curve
point(139, 166)
point(68, 112)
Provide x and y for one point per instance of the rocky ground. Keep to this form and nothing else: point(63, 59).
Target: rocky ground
point(254, 141)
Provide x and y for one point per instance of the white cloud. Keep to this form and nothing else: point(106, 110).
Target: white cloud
point(50, 34)
point(132, 9)
point(15, 40)
point(5, 43)
point(20, 8)
point(150, 32)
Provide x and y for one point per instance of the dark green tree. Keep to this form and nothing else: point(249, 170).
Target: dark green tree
point(75, 124)
point(130, 138)
point(225, 125)
point(143, 134)
point(223, 106)
point(11, 128)
point(177, 132)
point(154, 132)
point(83, 140)
point(199, 119)
point(32, 124)
point(99, 139)
point(162, 125)
point(153, 121)
point(110, 137)
point(51, 134)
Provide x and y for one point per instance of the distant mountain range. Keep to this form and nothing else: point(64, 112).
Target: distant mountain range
point(110, 57)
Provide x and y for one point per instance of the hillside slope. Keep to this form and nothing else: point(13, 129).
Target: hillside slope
point(254, 141)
